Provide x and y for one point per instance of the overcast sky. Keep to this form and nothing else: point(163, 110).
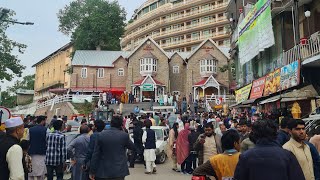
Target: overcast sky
point(43, 37)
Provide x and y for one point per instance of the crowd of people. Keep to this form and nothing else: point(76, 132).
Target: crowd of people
point(207, 144)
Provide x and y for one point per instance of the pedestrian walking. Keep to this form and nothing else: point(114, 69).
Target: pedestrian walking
point(283, 133)
point(183, 151)
point(109, 159)
point(299, 148)
point(98, 127)
point(192, 138)
point(137, 138)
point(77, 151)
point(267, 160)
point(56, 153)
point(315, 139)
point(208, 144)
point(37, 151)
point(149, 139)
point(222, 166)
point(184, 105)
point(172, 149)
point(195, 106)
point(11, 166)
point(190, 99)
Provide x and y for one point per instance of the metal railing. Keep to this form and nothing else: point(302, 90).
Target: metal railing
point(60, 99)
point(309, 48)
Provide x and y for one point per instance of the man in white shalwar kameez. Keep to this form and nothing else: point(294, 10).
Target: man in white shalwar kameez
point(149, 139)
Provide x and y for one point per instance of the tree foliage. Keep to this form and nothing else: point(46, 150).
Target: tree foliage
point(9, 97)
point(9, 63)
point(93, 23)
point(26, 83)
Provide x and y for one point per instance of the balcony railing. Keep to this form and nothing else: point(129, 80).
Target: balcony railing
point(193, 39)
point(304, 50)
point(172, 18)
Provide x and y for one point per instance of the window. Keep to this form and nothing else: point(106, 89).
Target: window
point(100, 73)
point(208, 66)
point(120, 72)
point(84, 72)
point(175, 69)
point(148, 65)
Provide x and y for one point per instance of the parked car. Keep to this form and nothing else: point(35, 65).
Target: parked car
point(161, 144)
point(74, 125)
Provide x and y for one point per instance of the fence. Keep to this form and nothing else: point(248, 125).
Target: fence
point(61, 99)
point(306, 49)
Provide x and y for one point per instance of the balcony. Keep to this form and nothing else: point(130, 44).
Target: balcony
point(193, 40)
point(168, 8)
point(192, 27)
point(305, 51)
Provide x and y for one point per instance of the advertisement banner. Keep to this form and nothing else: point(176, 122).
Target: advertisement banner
point(243, 93)
point(81, 98)
point(272, 84)
point(255, 31)
point(257, 88)
point(290, 75)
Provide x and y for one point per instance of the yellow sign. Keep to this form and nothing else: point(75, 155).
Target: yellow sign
point(243, 93)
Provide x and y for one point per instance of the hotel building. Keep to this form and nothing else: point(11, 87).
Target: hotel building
point(178, 25)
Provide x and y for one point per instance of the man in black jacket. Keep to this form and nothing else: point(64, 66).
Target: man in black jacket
point(109, 160)
point(137, 138)
point(192, 138)
point(267, 160)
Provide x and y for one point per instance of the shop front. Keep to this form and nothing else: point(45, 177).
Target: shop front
point(148, 89)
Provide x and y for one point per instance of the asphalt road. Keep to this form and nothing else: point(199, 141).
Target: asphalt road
point(164, 172)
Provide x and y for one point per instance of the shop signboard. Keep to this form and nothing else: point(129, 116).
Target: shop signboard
point(243, 93)
point(272, 84)
point(290, 75)
point(147, 87)
point(257, 88)
point(255, 31)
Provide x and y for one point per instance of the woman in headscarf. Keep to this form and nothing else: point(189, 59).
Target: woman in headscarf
point(172, 152)
point(183, 150)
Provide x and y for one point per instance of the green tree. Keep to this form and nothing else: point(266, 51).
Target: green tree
point(26, 83)
point(9, 96)
point(93, 23)
point(9, 63)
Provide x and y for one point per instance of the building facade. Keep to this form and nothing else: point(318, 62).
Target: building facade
point(297, 48)
point(178, 25)
point(51, 72)
point(149, 71)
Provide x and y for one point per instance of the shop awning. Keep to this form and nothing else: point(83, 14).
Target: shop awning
point(270, 100)
point(249, 101)
point(58, 90)
point(98, 89)
point(234, 105)
point(289, 99)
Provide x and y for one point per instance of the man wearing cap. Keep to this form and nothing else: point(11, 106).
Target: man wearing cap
point(10, 152)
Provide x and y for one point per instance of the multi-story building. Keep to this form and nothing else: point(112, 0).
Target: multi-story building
point(292, 63)
point(52, 72)
point(178, 25)
point(149, 71)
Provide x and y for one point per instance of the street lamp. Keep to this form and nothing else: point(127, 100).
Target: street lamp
point(16, 22)
point(308, 14)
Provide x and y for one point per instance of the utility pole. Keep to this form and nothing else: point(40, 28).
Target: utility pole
point(296, 21)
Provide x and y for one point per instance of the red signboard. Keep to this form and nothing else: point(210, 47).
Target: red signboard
point(257, 88)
